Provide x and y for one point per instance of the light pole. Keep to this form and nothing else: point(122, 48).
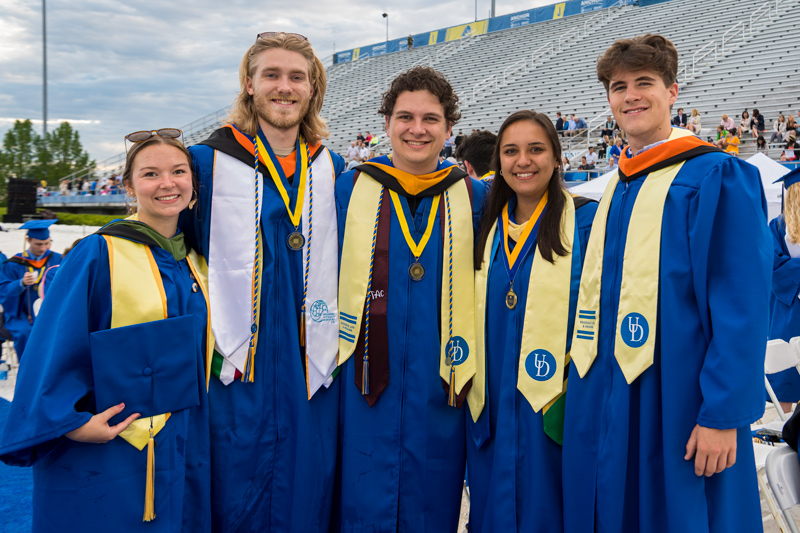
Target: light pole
point(386, 16)
point(44, 70)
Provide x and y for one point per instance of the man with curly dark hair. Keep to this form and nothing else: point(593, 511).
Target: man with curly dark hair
point(406, 298)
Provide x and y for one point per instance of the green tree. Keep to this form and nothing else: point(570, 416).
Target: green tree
point(19, 153)
point(59, 154)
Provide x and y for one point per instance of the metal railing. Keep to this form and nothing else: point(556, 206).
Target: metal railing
point(703, 53)
point(738, 30)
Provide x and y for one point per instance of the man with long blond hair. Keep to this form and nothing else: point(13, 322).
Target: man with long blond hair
point(266, 222)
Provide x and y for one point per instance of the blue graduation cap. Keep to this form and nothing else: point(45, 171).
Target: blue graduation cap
point(38, 229)
point(789, 179)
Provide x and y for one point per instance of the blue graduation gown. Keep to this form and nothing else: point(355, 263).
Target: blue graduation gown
point(402, 460)
point(624, 444)
point(100, 487)
point(515, 475)
point(785, 317)
point(273, 449)
point(17, 301)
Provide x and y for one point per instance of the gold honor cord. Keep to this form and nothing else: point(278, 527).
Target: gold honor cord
point(529, 225)
point(295, 215)
point(416, 248)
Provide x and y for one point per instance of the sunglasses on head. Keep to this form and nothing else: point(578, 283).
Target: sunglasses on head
point(164, 133)
point(268, 34)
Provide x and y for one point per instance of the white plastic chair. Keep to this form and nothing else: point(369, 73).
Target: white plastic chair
point(783, 474)
point(780, 356)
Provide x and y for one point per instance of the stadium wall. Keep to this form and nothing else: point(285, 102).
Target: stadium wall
point(504, 22)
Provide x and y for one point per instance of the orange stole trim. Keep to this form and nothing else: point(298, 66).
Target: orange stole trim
point(630, 166)
point(288, 163)
point(411, 183)
point(36, 264)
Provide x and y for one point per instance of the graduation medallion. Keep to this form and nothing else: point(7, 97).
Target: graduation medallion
point(416, 271)
point(511, 298)
point(295, 241)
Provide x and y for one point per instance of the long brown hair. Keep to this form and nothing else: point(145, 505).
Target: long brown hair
point(244, 114)
point(549, 238)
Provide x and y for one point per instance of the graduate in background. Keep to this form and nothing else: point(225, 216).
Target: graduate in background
point(117, 362)
point(668, 347)
point(266, 221)
point(528, 259)
point(20, 277)
point(407, 327)
point(785, 319)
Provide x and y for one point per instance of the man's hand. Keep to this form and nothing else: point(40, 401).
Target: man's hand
point(713, 450)
point(28, 279)
point(97, 430)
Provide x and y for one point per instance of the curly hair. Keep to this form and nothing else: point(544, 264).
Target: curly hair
point(422, 79)
point(644, 52)
point(244, 114)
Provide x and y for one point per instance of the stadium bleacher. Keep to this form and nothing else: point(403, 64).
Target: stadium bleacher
point(734, 56)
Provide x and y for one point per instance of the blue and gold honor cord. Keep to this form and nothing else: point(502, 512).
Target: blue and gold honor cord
point(365, 371)
point(451, 396)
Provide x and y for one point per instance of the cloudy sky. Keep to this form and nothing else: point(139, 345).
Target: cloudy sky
point(116, 67)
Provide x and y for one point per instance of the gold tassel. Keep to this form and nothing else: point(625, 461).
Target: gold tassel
point(149, 496)
point(451, 397)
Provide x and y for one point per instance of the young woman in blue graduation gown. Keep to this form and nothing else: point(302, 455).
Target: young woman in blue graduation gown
point(86, 380)
point(785, 316)
point(514, 450)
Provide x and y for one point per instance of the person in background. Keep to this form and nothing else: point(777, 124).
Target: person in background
point(475, 152)
point(20, 276)
point(694, 122)
point(757, 124)
point(745, 124)
point(727, 123)
point(110, 406)
point(779, 129)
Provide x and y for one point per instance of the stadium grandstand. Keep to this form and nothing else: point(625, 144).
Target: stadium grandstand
point(734, 56)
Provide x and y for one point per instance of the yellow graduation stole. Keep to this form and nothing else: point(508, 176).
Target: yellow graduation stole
point(543, 356)
point(146, 302)
point(457, 314)
point(638, 301)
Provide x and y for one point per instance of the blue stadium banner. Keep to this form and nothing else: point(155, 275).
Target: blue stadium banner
point(504, 22)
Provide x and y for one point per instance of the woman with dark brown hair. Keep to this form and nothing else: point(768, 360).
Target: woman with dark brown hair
point(528, 262)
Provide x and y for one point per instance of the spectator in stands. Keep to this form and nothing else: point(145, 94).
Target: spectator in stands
point(745, 124)
point(757, 124)
point(559, 124)
point(779, 129)
point(410, 42)
point(585, 165)
point(727, 122)
point(363, 153)
point(63, 187)
point(790, 153)
point(732, 142)
point(368, 139)
point(566, 164)
point(694, 122)
point(360, 137)
point(580, 124)
point(475, 153)
point(352, 152)
point(447, 149)
point(791, 127)
point(721, 131)
point(571, 127)
point(611, 165)
point(761, 145)
point(458, 140)
point(591, 157)
point(658, 412)
point(616, 151)
point(608, 131)
point(680, 120)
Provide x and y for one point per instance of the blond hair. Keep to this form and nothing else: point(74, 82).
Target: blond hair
point(791, 213)
point(244, 114)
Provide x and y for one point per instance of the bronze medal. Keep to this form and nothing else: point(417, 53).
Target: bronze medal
point(416, 271)
point(511, 298)
point(295, 241)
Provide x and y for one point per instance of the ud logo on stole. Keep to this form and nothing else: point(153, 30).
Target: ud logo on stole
point(457, 351)
point(634, 330)
point(540, 365)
